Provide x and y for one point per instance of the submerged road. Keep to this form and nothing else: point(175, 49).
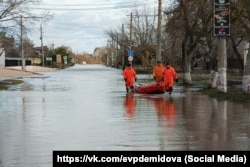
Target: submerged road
point(86, 107)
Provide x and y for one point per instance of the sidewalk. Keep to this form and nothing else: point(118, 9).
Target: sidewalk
point(17, 72)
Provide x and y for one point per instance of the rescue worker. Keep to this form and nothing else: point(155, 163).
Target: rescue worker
point(170, 76)
point(158, 72)
point(129, 76)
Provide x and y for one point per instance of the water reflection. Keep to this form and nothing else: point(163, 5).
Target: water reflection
point(164, 108)
point(169, 135)
point(213, 124)
point(87, 108)
point(130, 104)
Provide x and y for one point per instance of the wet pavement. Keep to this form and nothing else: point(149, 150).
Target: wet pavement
point(85, 107)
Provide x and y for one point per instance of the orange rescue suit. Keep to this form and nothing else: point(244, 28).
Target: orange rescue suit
point(169, 76)
point(158, 73)
point(130, 75)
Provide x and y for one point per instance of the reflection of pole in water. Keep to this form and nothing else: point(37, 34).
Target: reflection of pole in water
point(130, 110)
point(165, 108)
point(166, 118)
point(24, 108)
point(129, 104)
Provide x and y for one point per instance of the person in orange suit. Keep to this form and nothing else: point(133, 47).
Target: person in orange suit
point(158, 72)
point(130, 78)
point(169, 75)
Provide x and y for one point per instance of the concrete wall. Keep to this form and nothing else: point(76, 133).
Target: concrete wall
point(58, 58)
point(2, 58)
point(35, 60)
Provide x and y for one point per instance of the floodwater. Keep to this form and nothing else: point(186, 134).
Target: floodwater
point(85, 107)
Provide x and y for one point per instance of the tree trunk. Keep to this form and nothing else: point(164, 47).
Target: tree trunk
point(213, 79)
point(186, 62)
point(241, 61)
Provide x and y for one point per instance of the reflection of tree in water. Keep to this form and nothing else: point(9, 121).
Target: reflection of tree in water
point(211, 124)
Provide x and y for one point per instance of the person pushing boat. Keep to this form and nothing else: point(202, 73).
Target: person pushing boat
point(129, 76)
point(170, 76)
point(158, 72)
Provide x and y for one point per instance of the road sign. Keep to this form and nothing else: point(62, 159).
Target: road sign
point(130, 53)
point(221, 18)
point(130, 58)
point(49, 58)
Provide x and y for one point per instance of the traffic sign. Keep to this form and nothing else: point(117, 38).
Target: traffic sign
point(130, 53)
point(221, 18)
point(49, 58)
point(130, 58)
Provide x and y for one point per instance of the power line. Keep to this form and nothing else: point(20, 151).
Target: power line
point(94, 8)
point(100, 4)
point(112, 3)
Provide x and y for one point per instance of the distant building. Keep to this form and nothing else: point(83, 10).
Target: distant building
point(37, 57)
point(100, 51)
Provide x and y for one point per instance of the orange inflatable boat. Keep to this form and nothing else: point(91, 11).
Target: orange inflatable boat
point(150, 89)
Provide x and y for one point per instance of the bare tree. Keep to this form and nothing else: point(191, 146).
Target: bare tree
point(145, 29)
point(191, 23)
point(143, 35)
point(192, 19)
point(12, 10)
point(28, 47)
point(244, 20)
point(185, 20)
point(11, 14)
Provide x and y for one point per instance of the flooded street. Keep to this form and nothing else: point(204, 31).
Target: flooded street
point(86, 107)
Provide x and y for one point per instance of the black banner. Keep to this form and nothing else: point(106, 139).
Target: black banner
point(221, 18)
point(151, 158)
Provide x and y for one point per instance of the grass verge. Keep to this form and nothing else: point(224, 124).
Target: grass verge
point(234, 94)
point(4, 85)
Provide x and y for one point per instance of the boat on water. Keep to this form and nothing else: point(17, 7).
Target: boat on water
point(151, 88)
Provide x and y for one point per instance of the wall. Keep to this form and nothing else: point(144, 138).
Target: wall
point(2, 58)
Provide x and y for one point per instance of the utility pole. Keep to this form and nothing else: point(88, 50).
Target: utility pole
point(21, 40)
point(222, 31)
point(131, 34)
point(123, 48)
point(42, 44)
point(117, 51)
point(131, 27)
point(158, 49)
point(130, 42)
point(222, 65)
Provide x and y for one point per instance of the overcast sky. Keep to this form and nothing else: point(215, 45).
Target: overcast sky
point(81, 24)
